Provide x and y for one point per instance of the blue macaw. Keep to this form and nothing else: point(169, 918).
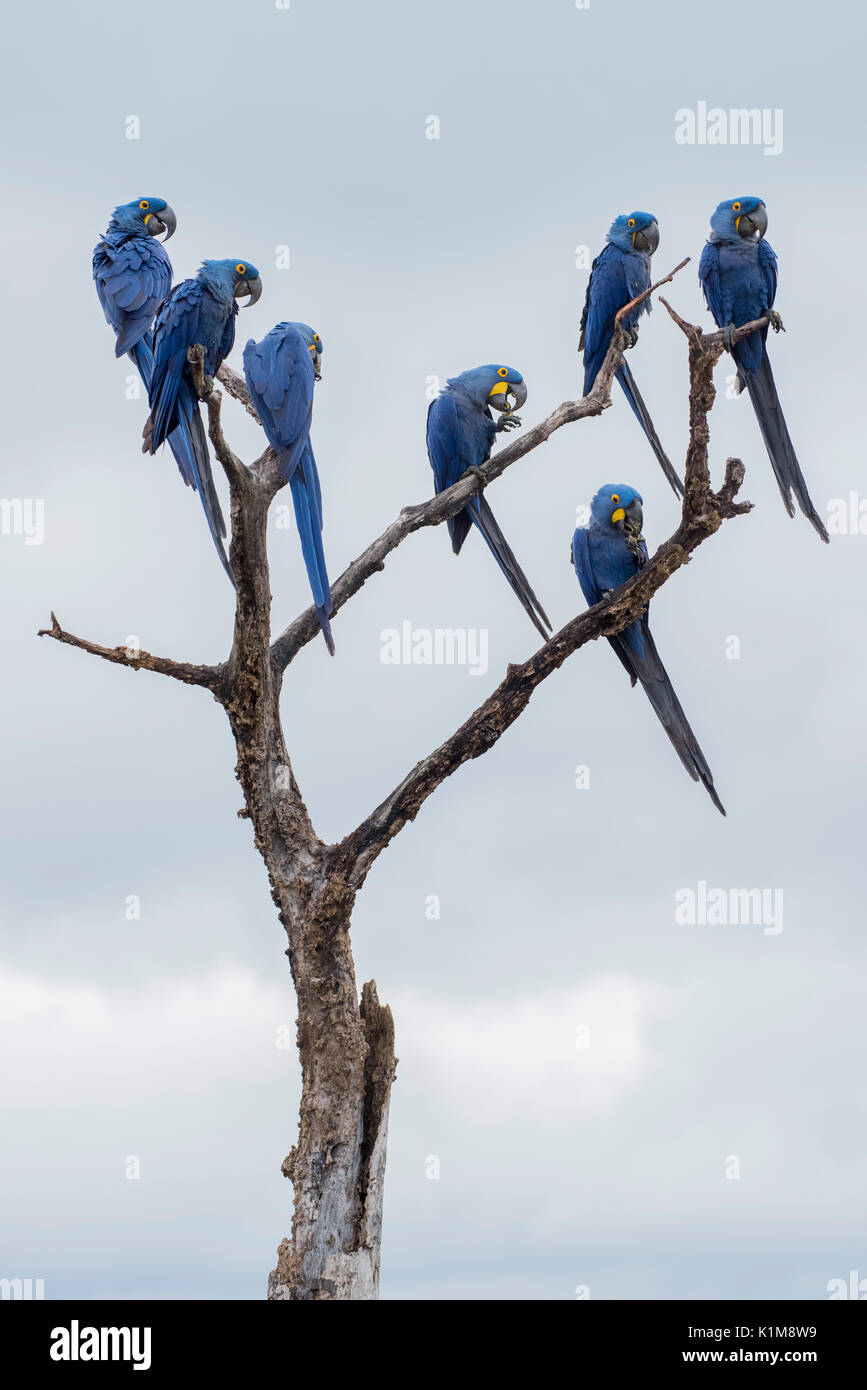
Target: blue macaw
point(610, 550)
point(203, 311)
point(280, 373)
point(618, 275)
point(738, 274)
point(460, 433)
point(133, 274)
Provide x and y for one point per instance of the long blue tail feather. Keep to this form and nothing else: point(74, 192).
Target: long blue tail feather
point(505, 558)
point(781, 451)
point(304, 485)
point(642, 415)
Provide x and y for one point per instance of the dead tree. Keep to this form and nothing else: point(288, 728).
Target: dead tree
point(346, 1044)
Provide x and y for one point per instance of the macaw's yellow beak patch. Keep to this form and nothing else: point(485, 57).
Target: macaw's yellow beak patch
point(619, 515)
point(500, 389)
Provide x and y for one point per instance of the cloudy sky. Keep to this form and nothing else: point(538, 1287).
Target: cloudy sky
point(613, 1100)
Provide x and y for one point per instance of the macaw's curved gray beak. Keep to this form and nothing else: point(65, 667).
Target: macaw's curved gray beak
point(635, 516)
point(159, 222)
point(752, 223)
point(251, 287)
point(317, 365)
point(168, 217)
point(518, 389)
point(647, 239)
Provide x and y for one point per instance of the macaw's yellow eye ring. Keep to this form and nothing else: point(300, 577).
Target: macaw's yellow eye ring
point(502, 371)
point(614, 497)
point(631, 222)
point(316, 337)
point(144, 204)
point(736, 207)
point(240, 270)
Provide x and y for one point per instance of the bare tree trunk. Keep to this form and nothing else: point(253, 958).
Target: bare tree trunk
point(346, 1049)
point(338, 1163)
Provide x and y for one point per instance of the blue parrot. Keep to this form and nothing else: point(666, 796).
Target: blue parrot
point(133, 274)
point(203, 311)
point(460, 433)
point(738, 274)
point(610, 550)
point(280, 373)
point(619, 273)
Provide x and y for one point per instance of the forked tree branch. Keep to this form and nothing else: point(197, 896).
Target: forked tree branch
point(236, 682)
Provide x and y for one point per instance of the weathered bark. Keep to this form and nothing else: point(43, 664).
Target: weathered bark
point(346, 1045)
point(346, 1049)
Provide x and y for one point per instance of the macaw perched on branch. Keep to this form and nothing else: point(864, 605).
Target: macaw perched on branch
point(460, 433)
point(738, 274)
point(618, 275)
point(200, 311)
point(610, 550)
point(280, 373)
point(133, 274)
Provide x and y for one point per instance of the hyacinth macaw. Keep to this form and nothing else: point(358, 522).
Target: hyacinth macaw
point(618, 275)
point(280, 373)
point(133, 274)
point(203, 311)
point(738, 274)
point(460, 433)
point(610, 550)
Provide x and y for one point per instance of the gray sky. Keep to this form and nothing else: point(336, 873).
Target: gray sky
point(559, 1165)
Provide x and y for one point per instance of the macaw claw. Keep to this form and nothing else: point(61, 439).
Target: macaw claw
point(728, 334)
point(776, 321)
point(508, 422)
point(479, 473)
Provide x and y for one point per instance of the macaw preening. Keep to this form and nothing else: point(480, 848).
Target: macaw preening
point(618, 275)
point(203, 311)
point(280, 373)
point(738, 274)
point(460, 433)
point(610, 550)
point(133, 274)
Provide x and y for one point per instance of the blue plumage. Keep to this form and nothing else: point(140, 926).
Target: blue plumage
point(199, 311)
point(738, 274)
point(619, 274)
point(133, 274)
point(606, 553)
point(281, 372)
point(460, 433)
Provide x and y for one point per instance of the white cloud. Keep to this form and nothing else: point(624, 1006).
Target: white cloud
point(490, 1059)
point(74, 1041)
